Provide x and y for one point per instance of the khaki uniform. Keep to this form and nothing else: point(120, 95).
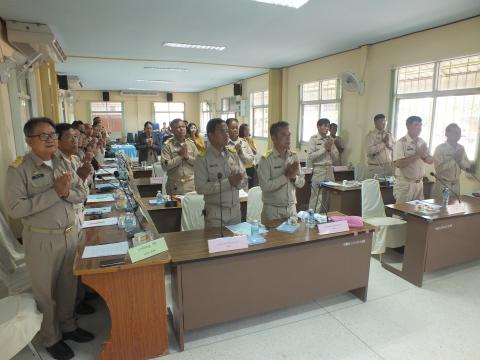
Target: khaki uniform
point(408, 180)
point(246, 156)
point(49, 237)
point(379, 156)
point(179, 171)
point(278, 192)
point(207, 167)
point(339, 143)
point(322, 162)
point(447, 168)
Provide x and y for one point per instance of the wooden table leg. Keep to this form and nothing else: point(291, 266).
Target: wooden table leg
point(137, 306)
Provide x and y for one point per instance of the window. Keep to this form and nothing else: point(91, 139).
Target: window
point(167, 111)
point(205, 115)
point(259, 113)
point(111, 113)
point(440, 93)
point(228, 108)
point(318, 99)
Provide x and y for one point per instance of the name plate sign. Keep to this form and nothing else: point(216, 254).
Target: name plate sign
point(156, 180)
point(456, 208)
point(147, 250)
point(333, 227)
point(227, 244)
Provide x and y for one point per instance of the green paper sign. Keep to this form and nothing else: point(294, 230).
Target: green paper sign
point(147, 250)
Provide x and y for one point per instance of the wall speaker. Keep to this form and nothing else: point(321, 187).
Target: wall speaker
point(62, 82)
point(169, 97)
point(106, 96)
point(237, 89)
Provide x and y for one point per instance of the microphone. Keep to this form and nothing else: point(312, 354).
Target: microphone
point(219, 177)
point(324, 208)
point(448, 187)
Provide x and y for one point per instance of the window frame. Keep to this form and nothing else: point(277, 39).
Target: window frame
point(167, 112)
point(319, 102)
point(202, 125)
point(435, 94)
point(122, 118)
point(253, 107)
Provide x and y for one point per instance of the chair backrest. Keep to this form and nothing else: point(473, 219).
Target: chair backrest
point(157, 169)
point(130, 138)
point(192, 211)
point(361, 171)
point(372, 201)
point(254, 204)
point(11, 251)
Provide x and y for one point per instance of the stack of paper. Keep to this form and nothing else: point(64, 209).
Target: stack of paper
point(97, 211)
point(288, 228)
point(245, 228)
point(95, 198)
point(119, 248)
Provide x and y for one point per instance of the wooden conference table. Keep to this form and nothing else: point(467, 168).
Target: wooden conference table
point(288, 269)
point(169, 219)
point(348, 200)
point(146, 188)
point(439, 240)
point(137, 309)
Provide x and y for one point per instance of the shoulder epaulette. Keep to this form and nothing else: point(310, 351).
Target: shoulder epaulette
point(267, 154)
point(17, 162)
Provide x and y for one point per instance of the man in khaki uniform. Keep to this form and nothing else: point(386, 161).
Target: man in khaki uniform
point(338, 142)
point(279, 176)
point(42, 189)
point(449, 161)
point(321, 155)
point(178, 157)
point(219, 168)
point(242, 148)
point(380, 148)
point(409, 154)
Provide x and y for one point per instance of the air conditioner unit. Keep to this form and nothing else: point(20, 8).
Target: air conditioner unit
point(32, 39)
point(74, 82)
point(140, 93)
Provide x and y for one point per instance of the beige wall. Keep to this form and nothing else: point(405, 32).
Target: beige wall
point(137, 109)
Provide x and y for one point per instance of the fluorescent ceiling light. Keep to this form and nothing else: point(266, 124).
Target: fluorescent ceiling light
point(154, 81)
point(164, 69)
point(290, 3)
point(194, 46)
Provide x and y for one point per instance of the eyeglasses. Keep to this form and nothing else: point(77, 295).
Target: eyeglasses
point(45, 137)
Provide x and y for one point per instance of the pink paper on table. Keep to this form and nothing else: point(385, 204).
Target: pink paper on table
point(227, 243)
point(333, 227)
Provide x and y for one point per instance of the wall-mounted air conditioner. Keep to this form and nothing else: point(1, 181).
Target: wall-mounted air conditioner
point(33, 39)
point(140, 93)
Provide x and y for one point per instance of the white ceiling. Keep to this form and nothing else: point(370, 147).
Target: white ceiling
point(108, 42)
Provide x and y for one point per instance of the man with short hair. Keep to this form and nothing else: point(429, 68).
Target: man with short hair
point(178, 158)
point(279, 176)
point(380, 148)
point(219, 168)
point(241, 146)
point(321, 155)
point(42, 190)
point(409, 155)
point(449, 161)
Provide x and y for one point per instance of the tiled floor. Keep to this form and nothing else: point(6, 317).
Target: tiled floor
point(439, 321)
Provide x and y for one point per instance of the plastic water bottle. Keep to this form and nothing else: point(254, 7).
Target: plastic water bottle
point(159, 196)
point(130, 222)
point(254, 230)
point(310, 219)
point(445, 196)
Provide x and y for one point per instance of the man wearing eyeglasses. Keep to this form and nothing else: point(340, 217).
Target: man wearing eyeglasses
point(42, 190)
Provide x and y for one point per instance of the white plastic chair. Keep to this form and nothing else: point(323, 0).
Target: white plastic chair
point(19, 322)
point(192, 211)
point(254, 204)
point(361, 171)
point(391, 231)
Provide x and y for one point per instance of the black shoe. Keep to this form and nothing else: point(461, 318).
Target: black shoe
point(60, 351)
point(84, 309)
point(90, 295)
point(79, 335)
